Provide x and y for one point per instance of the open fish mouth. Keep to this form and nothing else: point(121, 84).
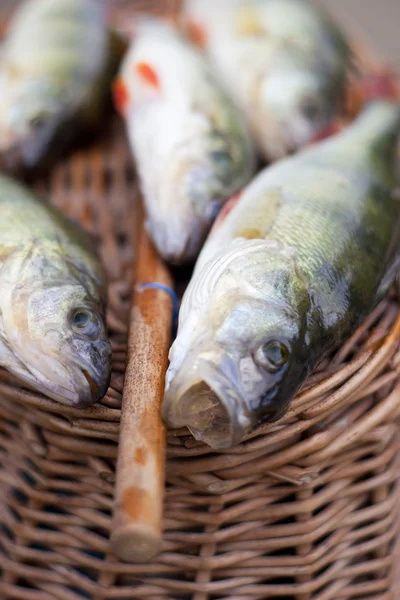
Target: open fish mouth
point(205, 415)
point(207, 402)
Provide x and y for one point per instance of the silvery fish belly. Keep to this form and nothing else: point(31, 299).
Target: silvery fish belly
point(284, 62)
point(289, 271)
point(191, 148)
point(56, 65)
point(52, 302)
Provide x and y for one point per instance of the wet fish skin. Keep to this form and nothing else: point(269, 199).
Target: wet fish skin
point(285, 62)
point(302, 257)
point(191, 147)
point(52, 301)
point(56, 65)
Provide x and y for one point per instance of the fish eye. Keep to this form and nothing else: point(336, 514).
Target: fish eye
point(272, 355)
point(85, 323)
point(311, 109)
point(38, 121)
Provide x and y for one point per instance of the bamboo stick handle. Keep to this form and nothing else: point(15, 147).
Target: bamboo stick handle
point(136, 532)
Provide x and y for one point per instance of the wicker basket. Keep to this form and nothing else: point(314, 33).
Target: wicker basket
point(306, 509)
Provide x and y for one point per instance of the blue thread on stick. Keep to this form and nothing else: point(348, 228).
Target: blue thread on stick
point(171, 293)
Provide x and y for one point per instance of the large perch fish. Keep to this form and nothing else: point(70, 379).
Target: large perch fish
point(302, 257)
point(56, 65)
point(52, 301)
point(191, 148)
point(284, 62)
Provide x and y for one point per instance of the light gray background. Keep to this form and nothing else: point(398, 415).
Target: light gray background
point(376, 21)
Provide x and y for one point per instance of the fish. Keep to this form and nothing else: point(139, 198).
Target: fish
point(53, 293)
point(285, 63)
point(191, 148)
point(57, 62)
point(287, 274)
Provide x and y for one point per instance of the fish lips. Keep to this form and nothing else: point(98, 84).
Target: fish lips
point(196, 193)
point(12, 159)
point(87, 364)
point(205, 398)
point(178, 239)
point(91, 378)
point(173, 244)
point(95, 388)
point(18, 157)
point(89, 388)
point(84, 387)
point(31, 149)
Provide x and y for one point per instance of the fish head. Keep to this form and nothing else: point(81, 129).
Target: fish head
point(240, 357)
point(295, 106)
point(30, 113)
point(195, 183)
point(56, 338)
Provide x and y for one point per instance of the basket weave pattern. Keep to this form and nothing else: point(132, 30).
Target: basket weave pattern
point(305, 509)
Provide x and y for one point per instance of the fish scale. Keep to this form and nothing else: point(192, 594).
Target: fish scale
point(25, 218)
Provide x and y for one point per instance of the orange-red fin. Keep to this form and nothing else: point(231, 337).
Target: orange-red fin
point(354, 99)
point(371, 86)
point(334, 127)
point(148, 74)
point(226, 209)
point(197, 33)
point(120, 95)
point(381, 86)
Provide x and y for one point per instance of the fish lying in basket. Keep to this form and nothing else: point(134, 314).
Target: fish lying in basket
point(189, 141)
point(56, 65)
point(52, 301)
point(289, 271)
point(285, 62)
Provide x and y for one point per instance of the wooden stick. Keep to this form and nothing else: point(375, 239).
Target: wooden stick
point(136, 532)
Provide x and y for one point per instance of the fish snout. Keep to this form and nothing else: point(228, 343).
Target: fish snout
point(96, 370)
point(205, 396)
point(177, 239)
point(180, 214)
point(11, 158)
point(91, 387)
point(90, 372)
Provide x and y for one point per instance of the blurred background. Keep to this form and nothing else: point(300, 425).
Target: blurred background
point(378, 21)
